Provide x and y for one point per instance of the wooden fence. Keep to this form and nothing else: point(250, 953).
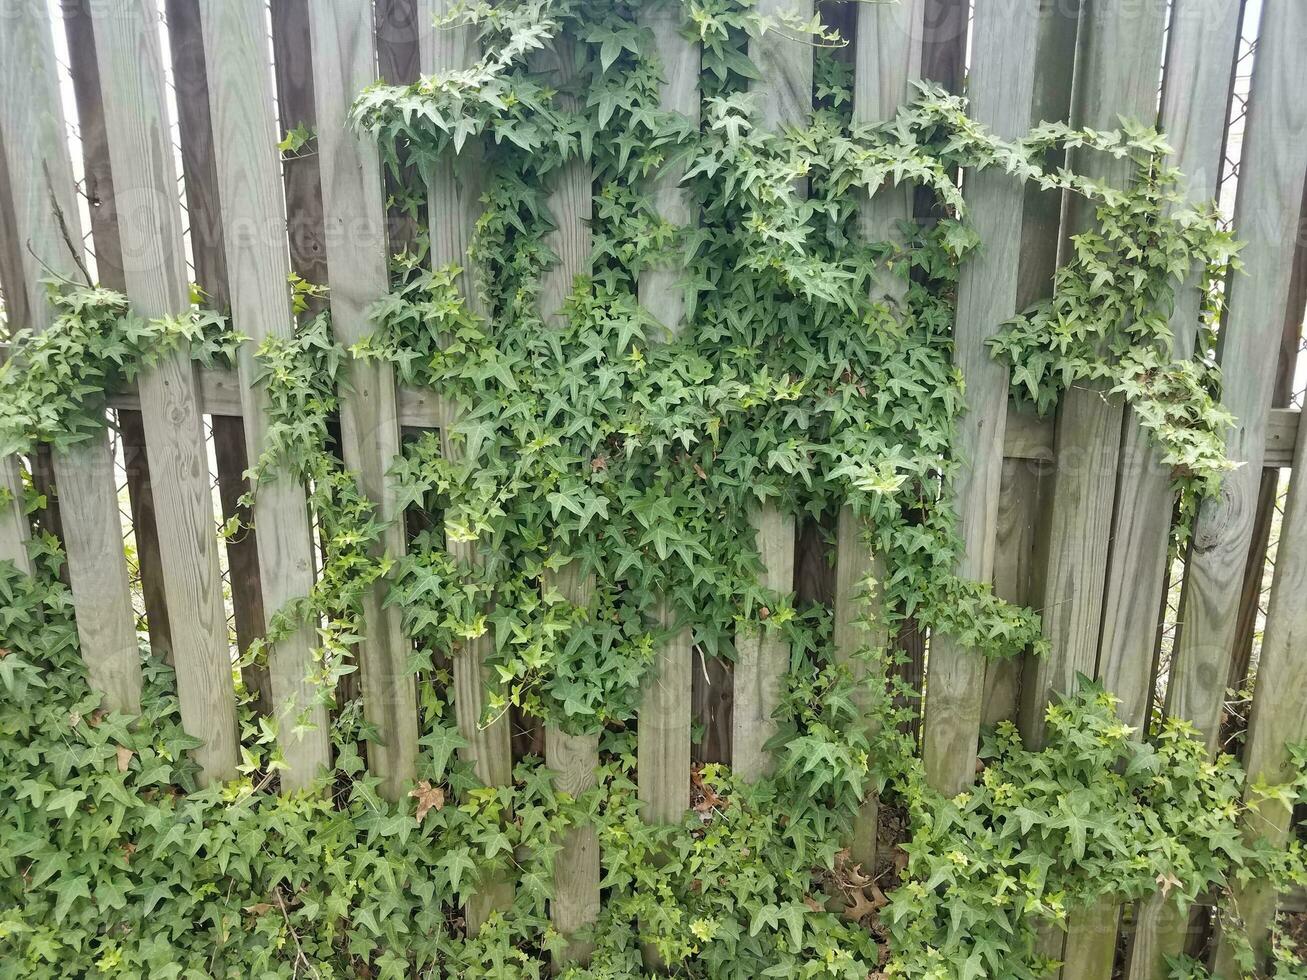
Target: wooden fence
point(1072, 517)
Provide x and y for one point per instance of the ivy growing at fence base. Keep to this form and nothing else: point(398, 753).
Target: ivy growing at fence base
point(612, 444)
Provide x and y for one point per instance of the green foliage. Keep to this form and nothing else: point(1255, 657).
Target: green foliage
point(814, 371)
point(55, 386)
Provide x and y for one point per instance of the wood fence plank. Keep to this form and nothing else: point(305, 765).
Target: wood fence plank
point(45, 214)
point(1002, 83)
point(453, 195)
point(1019, 503)
point(783, 97)
point(1117, 70)
point(1202, 43)
point(15, 528)
point(573, 757)
point(293, 63)
point(1120, 58)
point(344, 62)
point(1017, 552)
point(253, 217)
point(136, 118)
point(1272, 172)
point(887, 59)
point(1279, 714)
point(97, 186)
point(205, 226)
point(664, 716)
point(575, 761)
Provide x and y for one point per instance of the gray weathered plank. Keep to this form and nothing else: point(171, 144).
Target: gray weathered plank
point(1020, 501)
point(97, 186)
point(783, 97)
point(205, 228)
point(1279, 714)
point(664, 718)
point(45, 213)
point(573, 757)
point(1027, 437)
point(293, 63)
point(344, 61)
point(857, 577)
point(252, 210)
point(128, 52)
point(1271, 179)
point(887, 59)
point(1202, 44)
point(1002, 85)
point(1120, 52)
point(1117, 69)
point(453, 192)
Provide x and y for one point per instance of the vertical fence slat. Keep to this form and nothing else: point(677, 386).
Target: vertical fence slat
point(887, 58)
point(1019, 503)
point(1196, 96)
point(98, 188)
point(293, 65)
point(344, 62)
point(15, 528)
point(1269, 196)
point(47, 223)
point(784, 98)
point(1116, 75)
point(248, 176)
point(453, 192)
point(573, 757)
point(1202, 45)
point(1117, 70)
point(1278, 718)
point(204, 221)
point(136, 118)
point(1001, 88)
point(664, 717)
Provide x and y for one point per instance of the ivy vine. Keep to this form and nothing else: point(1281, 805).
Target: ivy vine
point(613, 446)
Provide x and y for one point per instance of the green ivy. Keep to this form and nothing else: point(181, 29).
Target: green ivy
point(612, 448)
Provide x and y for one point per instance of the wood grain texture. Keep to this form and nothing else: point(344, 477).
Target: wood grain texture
point(15, 528)
point(1279, 716)
point(45, 216)
point(1250, 599)
point(252, 211)
point(761, 657)
point(1270, 193)
point(886, 59)
point(1202, 44)
point(571, 197)
point(1118, 64)
point(857, 580)
point(1120, 52)
point(145, 187)
point(1196, 95)
point(206, 230)
point(783, 97)
point(1027, 437)
point(1002, 86)
point(453, 192)
point(574, 759)
point(1020, 502)
point(344, 61)
point(664, 716)
point(97, 187)
point(293, 64)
